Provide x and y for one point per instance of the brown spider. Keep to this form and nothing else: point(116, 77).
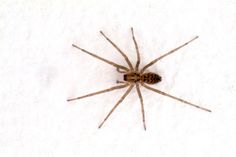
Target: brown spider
point(133, 77)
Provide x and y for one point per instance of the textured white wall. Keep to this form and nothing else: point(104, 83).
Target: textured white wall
point(40, 70)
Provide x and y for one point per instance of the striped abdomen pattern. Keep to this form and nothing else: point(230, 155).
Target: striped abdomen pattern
point(150, 78)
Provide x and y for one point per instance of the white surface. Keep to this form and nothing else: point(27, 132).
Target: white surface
point(40, 70)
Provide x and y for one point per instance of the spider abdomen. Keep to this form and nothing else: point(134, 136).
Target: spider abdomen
point(150, 78)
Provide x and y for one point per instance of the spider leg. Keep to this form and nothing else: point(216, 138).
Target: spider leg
point(137, 50)
point(100, 58)
point(142, 105)
point(173, 97)
point(121, 99)
point(118, 69)
point(100, 92)
point(168, 53)
point(117, 81)
point(119, 50)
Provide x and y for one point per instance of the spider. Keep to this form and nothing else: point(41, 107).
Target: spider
point(133, 76)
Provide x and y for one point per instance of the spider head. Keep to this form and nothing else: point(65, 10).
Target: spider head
point(132, 77)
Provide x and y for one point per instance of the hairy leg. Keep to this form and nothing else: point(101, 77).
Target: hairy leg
point(121, 99)
point(173, 97)
point(119, 50)
point(100, 92)
point(142, 105)
point(100, 58)
point(168, 53)
point(137, 50)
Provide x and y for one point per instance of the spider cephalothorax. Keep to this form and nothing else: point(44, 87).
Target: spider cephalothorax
point(135, 77)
